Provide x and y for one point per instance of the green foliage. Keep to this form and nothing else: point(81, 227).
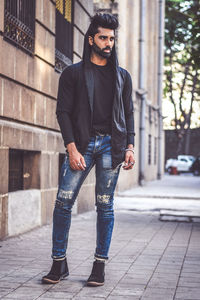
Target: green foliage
point(182, 39)
point(182, 60)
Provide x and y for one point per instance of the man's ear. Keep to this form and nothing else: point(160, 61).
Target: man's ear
point(90, 40)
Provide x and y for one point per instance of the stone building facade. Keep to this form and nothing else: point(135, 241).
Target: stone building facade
point(32, 55)
point(31, 147)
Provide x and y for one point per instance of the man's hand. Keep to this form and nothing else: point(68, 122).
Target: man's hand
point(76, 160)
point(129, 159)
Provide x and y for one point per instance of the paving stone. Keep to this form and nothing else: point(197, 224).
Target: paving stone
point(15, 279)
point(101, 291)
point(47, 298)
point(84, 271)
point(9, 284)
point(5, 291)
point(143, 266)
point(70, 285)
point(189, 281)
point(25, 293)
point(190, 274)
point(118, 266)
point(165, 282)
point(158, 294)
point(188, 293)
point(134, 280)
point(56, 295)
point(165, 277)
point(87, 298)
point(127, 289)
point(169, 272)
point(123, 297)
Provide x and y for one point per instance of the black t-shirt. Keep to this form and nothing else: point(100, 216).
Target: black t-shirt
point(103, 98)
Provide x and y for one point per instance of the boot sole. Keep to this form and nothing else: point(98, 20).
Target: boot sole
point(46, 280)
point(94, 283)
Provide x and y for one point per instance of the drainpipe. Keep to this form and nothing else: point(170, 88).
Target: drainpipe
point(142, 94)
point(160, 88)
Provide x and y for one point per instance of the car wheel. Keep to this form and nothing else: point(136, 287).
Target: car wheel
point(169, 170)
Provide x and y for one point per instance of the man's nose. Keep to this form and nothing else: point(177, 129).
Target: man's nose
point(109, 43)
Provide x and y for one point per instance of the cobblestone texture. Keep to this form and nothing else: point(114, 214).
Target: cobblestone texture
point(149, 260)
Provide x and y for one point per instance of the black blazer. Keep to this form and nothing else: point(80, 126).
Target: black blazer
point(75, 108)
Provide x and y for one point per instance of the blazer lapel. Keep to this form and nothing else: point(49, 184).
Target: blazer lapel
point(89, 80)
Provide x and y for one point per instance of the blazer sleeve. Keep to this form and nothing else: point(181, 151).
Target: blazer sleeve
point(65, 103)
point(128, 108)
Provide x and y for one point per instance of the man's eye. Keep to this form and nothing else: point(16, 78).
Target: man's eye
point(112, 39)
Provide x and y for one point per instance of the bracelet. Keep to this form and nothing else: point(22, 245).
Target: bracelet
point(130, 150)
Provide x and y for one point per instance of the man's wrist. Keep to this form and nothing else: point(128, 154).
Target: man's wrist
point(71, 147)
point(130, 146)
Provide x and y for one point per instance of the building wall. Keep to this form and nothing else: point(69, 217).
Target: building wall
point(28, 91)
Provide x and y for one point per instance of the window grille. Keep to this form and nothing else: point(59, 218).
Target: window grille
point(64, 34)
point(19, 23)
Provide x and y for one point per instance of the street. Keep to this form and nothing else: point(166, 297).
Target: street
point(149, 258)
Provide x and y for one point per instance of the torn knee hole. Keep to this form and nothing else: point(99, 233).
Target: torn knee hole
point(65, 194)
point(103, 198)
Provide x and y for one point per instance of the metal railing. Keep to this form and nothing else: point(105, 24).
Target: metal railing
point(19, 23)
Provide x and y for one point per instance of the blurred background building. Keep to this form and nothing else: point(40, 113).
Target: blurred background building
point(38, 39)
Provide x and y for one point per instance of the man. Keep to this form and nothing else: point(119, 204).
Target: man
point(95, 114)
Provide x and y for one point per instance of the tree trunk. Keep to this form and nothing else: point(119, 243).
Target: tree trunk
point(187, 141)
point(180, 145)
point(188, 131)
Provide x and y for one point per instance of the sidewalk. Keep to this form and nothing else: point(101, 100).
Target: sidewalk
point(149, 259)
point(173, 197)
point(184, 186)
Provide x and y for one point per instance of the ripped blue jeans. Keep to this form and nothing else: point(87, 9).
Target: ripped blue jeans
point(98, 153)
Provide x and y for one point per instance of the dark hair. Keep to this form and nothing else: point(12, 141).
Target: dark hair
point(102, 20)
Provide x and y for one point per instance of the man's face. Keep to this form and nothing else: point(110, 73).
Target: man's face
point(103, 42)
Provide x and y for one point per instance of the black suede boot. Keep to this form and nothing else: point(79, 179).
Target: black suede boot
point(97, 276)
point(59, 270)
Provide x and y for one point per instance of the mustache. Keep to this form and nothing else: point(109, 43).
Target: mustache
point(107, 48)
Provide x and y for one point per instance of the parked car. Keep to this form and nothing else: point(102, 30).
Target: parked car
point(195, 168)
point(183, 163)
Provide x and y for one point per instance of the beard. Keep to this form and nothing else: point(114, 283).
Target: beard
point(100, 51)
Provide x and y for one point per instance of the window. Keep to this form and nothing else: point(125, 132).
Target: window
point(19, 24)
point(15, 170)
point(155, 150)
point(149, 148)
point(64, 34)
point(24, 169)
point(183, 159)
point(150, 114)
